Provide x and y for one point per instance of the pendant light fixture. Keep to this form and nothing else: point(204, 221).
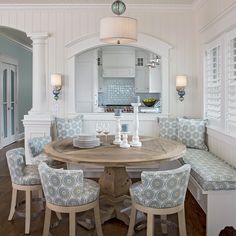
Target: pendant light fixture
point(118, 29)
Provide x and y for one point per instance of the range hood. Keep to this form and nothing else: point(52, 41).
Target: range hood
point(118, 62)
point(118, 72)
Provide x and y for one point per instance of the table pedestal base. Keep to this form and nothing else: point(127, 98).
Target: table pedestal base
point(115, 181)
point(114, 201)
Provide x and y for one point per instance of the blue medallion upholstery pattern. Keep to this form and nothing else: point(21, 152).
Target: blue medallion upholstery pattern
point(67, 187)
point(161, 189)
point(21, 173)
point(191, 132)
point(68, 128)
point(211, 172)
point(37, 144)
point(168, 128)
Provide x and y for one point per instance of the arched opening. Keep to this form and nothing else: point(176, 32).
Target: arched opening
point(145, 42)
point(15, 82)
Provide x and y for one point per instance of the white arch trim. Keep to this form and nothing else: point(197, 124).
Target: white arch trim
point(144, 41)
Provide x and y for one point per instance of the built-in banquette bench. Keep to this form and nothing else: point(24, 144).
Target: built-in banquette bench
point(212, 181)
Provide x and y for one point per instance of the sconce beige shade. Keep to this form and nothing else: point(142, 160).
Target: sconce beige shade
point(181, 81)
point(56, 80)
point(118, 30)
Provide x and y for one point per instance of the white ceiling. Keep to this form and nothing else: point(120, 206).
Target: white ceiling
point(96, 1)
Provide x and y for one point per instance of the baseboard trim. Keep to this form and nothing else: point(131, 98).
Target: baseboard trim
point(20, 136)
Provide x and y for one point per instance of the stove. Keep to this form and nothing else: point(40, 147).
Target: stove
point(124, 108)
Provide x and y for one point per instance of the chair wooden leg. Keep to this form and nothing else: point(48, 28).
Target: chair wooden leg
point(47, 220)
point(13, 203)
point(150, 224)
point(182, 223)
point(40, 194)
point(72, 224)
point(58, 214)
point(98, 220)
point(163, 224)
point(132, 221)
point(27, 211)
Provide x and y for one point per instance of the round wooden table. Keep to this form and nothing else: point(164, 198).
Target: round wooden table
point(115, 181)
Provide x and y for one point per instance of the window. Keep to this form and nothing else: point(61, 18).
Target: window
point(220, 83)
point(213, 83)
point(231, 83)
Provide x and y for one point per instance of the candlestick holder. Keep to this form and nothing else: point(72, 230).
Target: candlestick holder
point(135, 138)
point(118, 128)
point(124, 142)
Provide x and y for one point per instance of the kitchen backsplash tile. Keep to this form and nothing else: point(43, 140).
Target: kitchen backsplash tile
point(121, 91)
point(117, 91)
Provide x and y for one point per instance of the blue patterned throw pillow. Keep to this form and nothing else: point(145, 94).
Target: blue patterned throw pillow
point(37, 144)
point(168, 128)
point(68, 128)
point(191, 132)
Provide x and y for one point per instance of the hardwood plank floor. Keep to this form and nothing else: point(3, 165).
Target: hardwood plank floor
point(195, 217)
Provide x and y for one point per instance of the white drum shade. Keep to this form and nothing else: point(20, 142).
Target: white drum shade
point(181, 81)
point(118, 30)
point(56, 80)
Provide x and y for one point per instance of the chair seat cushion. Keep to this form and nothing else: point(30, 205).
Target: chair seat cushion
point(211, 172)
point(31, 176)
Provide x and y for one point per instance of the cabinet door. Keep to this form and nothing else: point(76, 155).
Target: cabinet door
point(155, 80)
point(141, 80)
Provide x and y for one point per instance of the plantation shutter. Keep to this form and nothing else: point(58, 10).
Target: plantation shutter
point(231, 86)
point(213, 83)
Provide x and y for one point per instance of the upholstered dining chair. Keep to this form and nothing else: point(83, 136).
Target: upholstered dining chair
point(66, 191)
point(24, 178)
point(160, 193)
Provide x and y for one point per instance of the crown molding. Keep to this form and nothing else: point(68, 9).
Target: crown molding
point(25, 46)
point(101, 6)
point(218, 17)
point(197, 4)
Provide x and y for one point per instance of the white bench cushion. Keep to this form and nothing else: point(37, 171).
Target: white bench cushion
point(211, 172)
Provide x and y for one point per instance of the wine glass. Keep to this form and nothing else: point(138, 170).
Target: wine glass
point(99, 128)
point(106, 130)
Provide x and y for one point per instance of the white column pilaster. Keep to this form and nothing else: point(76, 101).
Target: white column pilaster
point(38, 121)
point(39, 95)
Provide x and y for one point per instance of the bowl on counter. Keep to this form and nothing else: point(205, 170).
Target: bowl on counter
point(149, 102)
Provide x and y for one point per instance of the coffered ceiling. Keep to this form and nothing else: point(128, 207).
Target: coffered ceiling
point(95, 1)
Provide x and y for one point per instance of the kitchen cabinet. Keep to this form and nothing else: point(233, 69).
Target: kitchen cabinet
point(141, 80)
point(148, 80)
point(155, 79)
point(118, 62)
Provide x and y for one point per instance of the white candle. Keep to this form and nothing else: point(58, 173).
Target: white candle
point(138, 99)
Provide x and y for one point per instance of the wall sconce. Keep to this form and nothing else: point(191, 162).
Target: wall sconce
point(181, 83)
point(56, 82)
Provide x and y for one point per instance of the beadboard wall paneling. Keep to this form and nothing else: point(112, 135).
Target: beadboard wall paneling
point(64, 25)
point(222, 145)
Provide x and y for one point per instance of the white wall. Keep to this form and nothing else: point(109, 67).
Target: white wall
point(213, 18)
point(68, 23)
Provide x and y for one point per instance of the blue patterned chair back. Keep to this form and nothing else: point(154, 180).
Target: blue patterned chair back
point(66, 187)
point(162, 189)
point(37, 144)
point(16, 164)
